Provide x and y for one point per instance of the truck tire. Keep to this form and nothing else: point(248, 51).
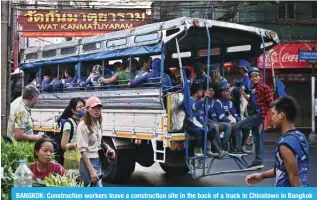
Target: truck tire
point(120, 169)
point(174, 170)
point(145, 154)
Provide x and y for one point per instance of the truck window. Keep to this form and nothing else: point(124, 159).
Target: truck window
point(50, 53)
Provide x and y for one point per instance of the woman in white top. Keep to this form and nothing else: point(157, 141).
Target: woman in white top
point(89, 142)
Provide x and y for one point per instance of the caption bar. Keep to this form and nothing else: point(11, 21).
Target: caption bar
point(164, 193)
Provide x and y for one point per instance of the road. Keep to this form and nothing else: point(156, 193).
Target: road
point(155, 176)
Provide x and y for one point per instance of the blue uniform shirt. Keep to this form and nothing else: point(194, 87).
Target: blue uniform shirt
point(211, 110)
point(253, 101)
point(224, 108)
point(197, 108)
point(46, 85)
point(297, 143)
point(202, 80)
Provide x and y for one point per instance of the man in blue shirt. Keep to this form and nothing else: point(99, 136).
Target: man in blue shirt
point(201, 77)
point(291, 155)
point(245, 83)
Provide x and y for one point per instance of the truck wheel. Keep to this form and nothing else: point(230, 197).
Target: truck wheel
point(120, 169)
point(174, 170)
point(144, 154)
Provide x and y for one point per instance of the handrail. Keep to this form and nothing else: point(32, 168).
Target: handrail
point(206, 101)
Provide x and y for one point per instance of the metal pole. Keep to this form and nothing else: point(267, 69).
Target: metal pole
point(312, 135)
point(5, 71)
point(206, 102)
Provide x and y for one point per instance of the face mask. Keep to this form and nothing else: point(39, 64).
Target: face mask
point(81, 113)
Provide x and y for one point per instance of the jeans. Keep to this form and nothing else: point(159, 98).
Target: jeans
point(254, 121)
point(199, 133)
point(227, 132)
point(84, 172)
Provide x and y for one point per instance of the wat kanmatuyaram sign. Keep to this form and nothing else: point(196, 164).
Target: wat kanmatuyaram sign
point(79, 23)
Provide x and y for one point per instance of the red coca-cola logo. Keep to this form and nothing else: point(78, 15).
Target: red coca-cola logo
point(289, 58)
point(286, 56)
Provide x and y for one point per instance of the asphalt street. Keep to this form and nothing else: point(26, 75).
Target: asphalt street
point(155, 176)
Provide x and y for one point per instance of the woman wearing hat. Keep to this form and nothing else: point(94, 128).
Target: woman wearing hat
point(89, 141)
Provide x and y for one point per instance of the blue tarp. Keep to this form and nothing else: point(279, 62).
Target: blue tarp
point(280, 88)
point(133, 51)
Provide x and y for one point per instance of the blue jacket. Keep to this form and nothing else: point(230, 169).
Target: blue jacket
point(60, 83)
point(202, 80)
point(46, 85)
point(224, 108)
point(244, 82)
point(90, 81)
point(155, 73)
point(212, 115)
point(197, 108)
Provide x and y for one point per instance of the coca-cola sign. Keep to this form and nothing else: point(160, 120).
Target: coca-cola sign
point(286, 56)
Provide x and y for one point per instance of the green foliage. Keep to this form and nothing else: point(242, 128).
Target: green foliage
point(12, 153)
point(59, 181)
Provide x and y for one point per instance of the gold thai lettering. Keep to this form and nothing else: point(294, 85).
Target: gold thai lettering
point(71, 17)
point(50, 17)
point(139, 16)
point(38, 17)
point(96, 25)
point(84, 16)
point(30, 15)
point(102, 17)
point(121, 15)
point(92, 17)
point(113, 16)
point(131, 18)
point(59, 19)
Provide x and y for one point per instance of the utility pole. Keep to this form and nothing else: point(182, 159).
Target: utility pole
point(312, 136)
point(5, 71)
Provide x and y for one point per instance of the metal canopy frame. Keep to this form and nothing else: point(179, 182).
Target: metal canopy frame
point(201, 166)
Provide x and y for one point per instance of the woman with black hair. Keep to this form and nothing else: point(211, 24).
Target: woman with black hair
point(43, 167)
point(72, 114)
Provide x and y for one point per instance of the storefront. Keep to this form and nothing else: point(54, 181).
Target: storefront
point(295, 74)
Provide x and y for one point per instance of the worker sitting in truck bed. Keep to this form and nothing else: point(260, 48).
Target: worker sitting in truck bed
point(213, 120)
point(92, 80)
point(153, 77)
point(226, 111)
point(145, 63)
point(46, 85)
point(69, 79)
point(36, 80)
point(122, 77)
point(195, 126)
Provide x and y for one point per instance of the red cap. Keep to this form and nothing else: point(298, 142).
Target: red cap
point(93, 102)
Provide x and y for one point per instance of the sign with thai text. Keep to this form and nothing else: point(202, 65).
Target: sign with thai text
point(79, 23)
point(285, 56)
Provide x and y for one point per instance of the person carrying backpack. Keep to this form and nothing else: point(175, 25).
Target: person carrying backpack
point(68, 122)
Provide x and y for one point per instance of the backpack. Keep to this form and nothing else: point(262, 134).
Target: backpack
point(60, 151)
